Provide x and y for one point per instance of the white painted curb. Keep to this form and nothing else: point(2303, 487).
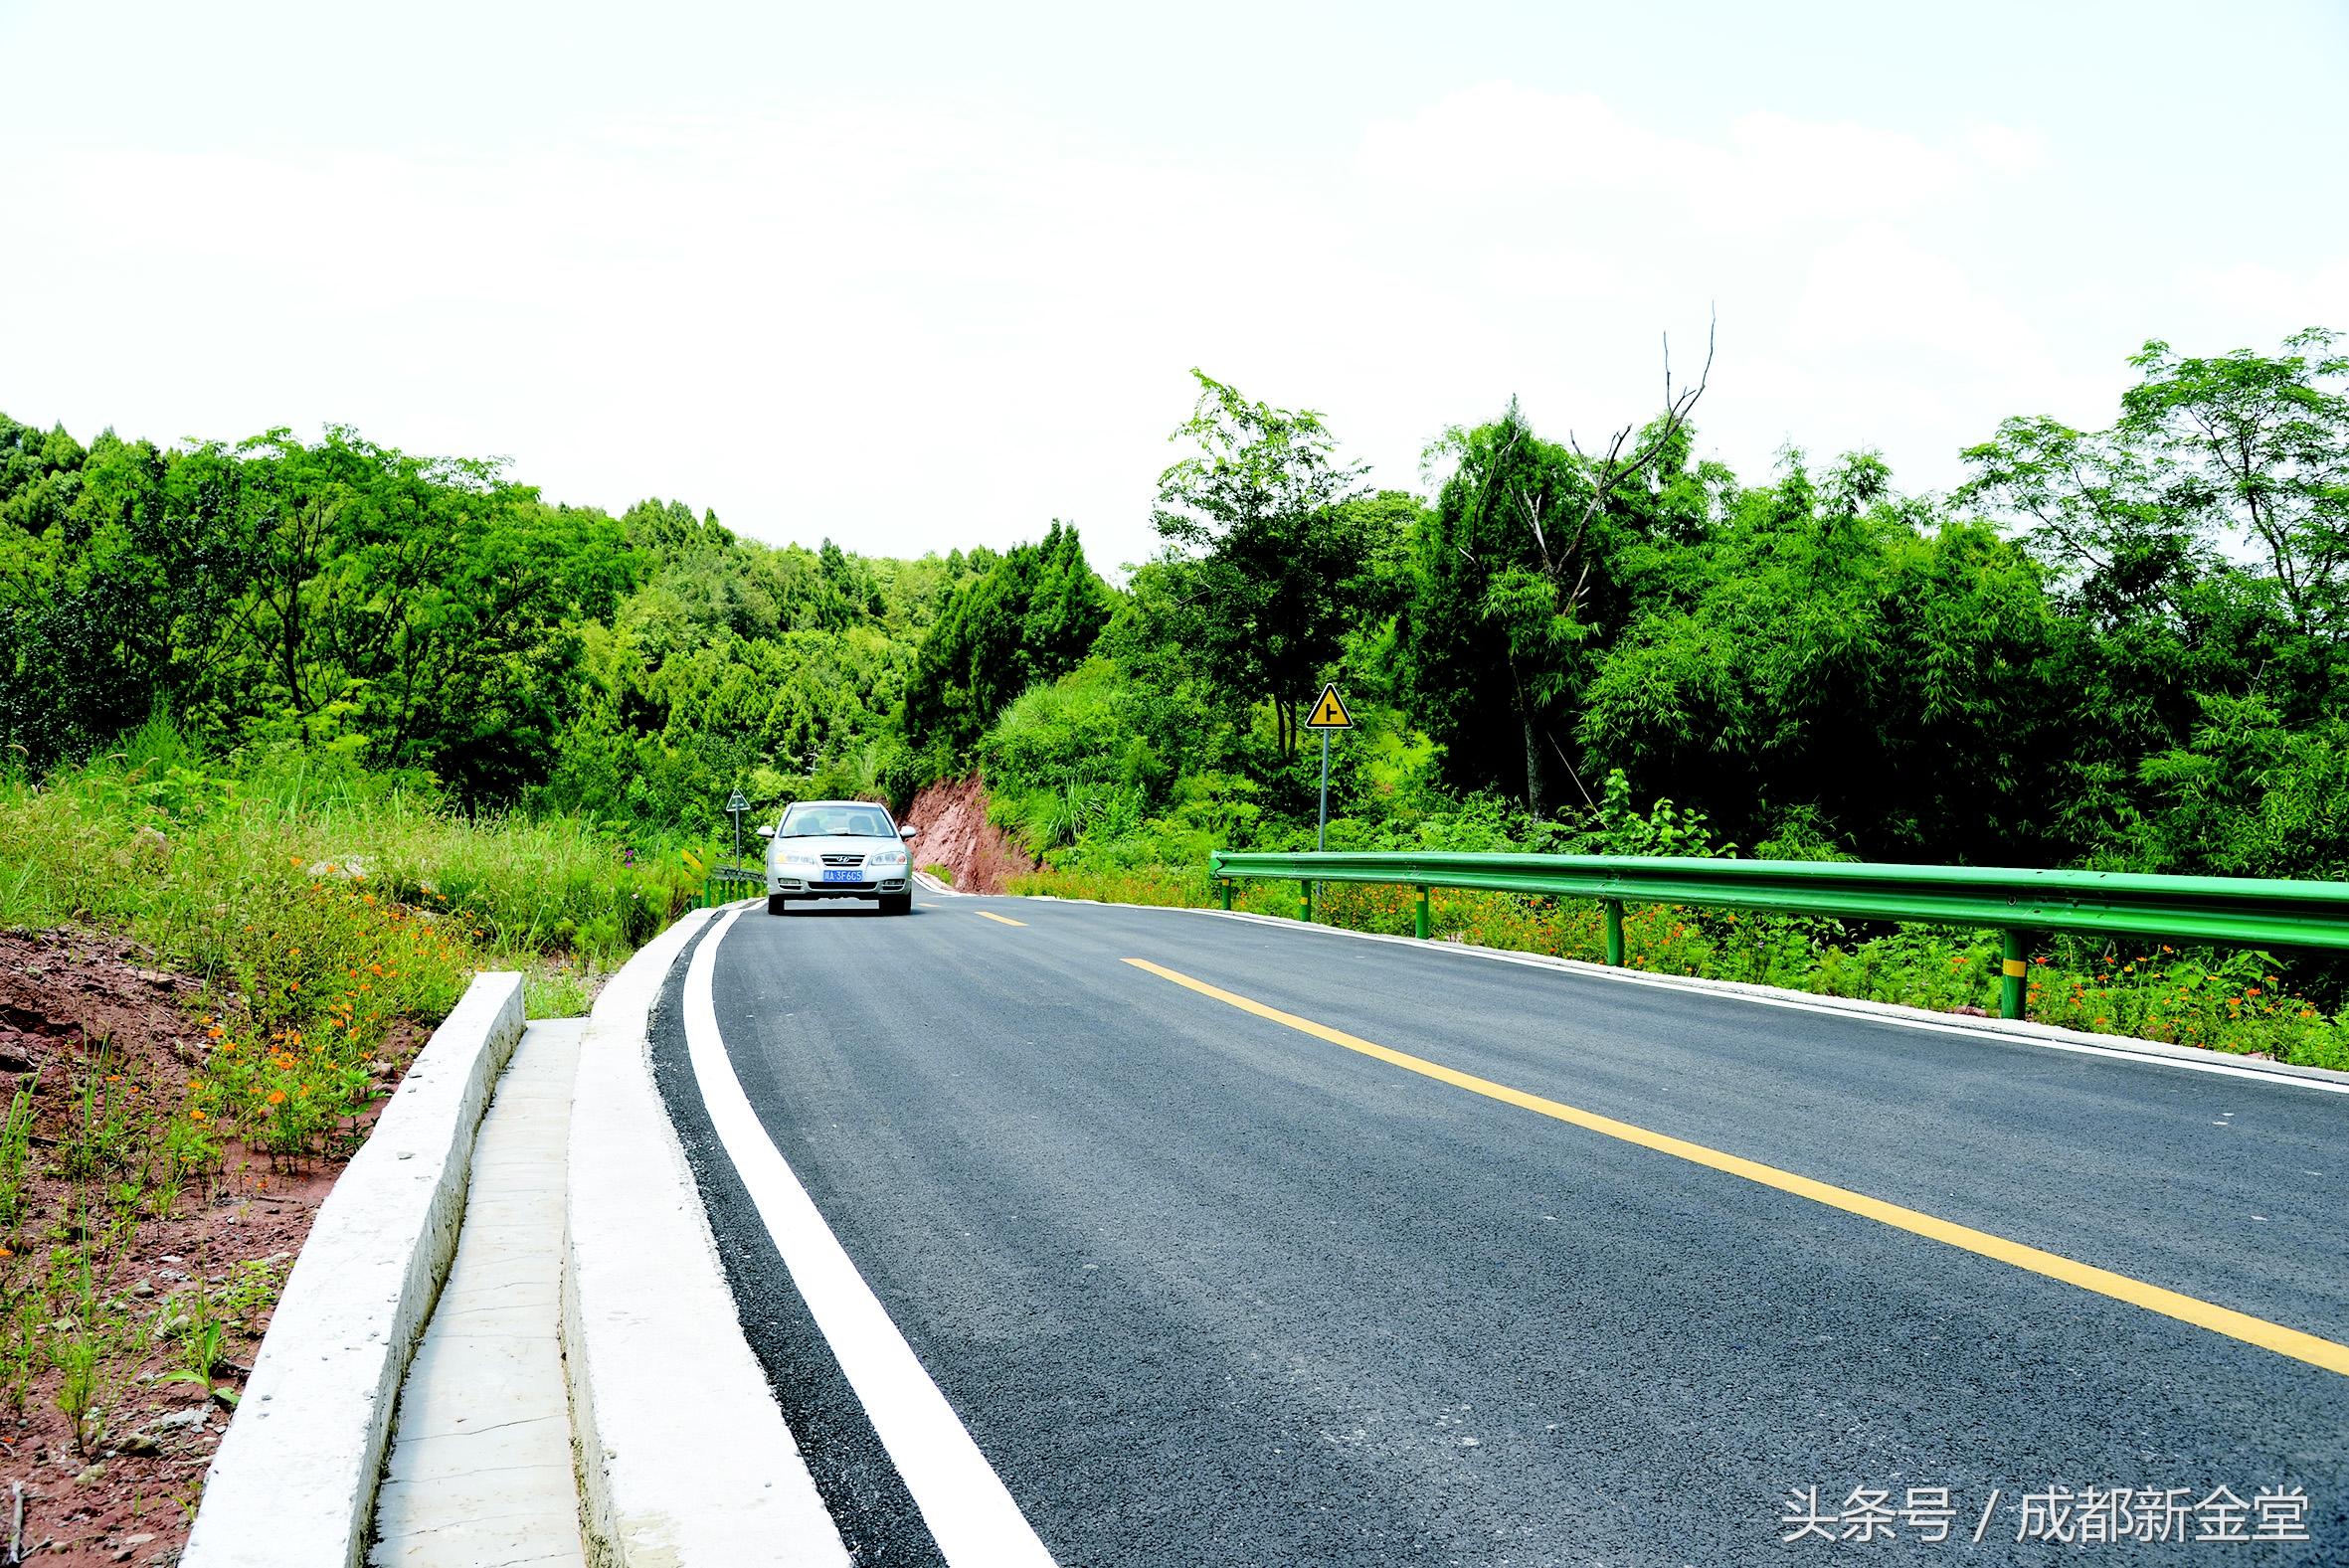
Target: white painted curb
point(294, 1482)
point(684, 1460)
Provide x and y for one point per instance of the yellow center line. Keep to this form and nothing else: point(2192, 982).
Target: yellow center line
point(1001, 920)
point(2226, 1320)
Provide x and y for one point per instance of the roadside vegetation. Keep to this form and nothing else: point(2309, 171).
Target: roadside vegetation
point(217, 971)
point(327, 917)
point(2116, 647)
point(2230, 999)
point(285, 882)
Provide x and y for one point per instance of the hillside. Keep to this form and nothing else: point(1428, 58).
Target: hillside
point(2118, 647)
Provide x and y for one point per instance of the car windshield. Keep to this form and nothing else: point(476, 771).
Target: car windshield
point(836, 821)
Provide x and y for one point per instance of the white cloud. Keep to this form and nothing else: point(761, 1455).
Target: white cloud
point(1853, 310)
point(915, 327)
point(1873, 287)
point(1500, 140)
point(2005, 148)
point(2278, 300)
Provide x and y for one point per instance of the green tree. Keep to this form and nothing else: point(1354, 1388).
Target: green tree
point(426, 606)
point(1528, 568)
point(2266, 441)
point(2196, 549)
point(2247, 795)
point(1271, 558)
point(116, 570)
point(1848, 654)
point(1031, 616)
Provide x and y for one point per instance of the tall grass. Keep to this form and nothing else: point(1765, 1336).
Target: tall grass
point(322, 908)
point(179, 853)
point(168, 846)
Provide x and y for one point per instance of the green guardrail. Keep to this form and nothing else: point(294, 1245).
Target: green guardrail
point(2229, 910)
point(726, 883)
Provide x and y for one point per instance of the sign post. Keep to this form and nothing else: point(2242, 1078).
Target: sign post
point(1321, 825)
point(1329, 713)
point(735, 807)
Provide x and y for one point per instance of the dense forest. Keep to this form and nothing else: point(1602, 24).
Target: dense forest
point(2119, 647)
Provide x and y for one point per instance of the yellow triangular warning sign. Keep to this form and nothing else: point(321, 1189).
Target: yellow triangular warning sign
point(1329, 713)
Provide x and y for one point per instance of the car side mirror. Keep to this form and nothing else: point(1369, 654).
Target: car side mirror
point(907, 832)
point(765, 832)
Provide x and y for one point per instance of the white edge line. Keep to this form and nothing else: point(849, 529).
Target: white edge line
point(970, 1513)
point(2145, 1051)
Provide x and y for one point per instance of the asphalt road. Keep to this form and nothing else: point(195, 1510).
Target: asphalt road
point(1208, 1288)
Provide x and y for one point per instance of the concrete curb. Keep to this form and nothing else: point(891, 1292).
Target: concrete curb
point(2121, 1047)
point(294, 1482)
point(684, 1460)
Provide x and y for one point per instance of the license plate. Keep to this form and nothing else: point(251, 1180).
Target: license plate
point(843, 876)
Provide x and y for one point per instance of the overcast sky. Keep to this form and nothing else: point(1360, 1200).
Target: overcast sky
point(919, 276)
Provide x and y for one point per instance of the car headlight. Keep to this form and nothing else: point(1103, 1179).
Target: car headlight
point(885, 857)
point(799, 857)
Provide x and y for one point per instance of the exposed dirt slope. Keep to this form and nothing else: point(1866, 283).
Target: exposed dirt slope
point(955, 834)
point(105, 1042)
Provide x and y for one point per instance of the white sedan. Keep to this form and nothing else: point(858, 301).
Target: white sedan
point(838, 849)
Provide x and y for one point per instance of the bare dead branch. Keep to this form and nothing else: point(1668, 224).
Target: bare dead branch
point(1533, 511)
point(1615, 469)
point(1571, 772)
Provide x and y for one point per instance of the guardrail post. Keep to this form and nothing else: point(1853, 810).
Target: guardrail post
point(2012, 972)
point(2242, 912)
point(1228, 892)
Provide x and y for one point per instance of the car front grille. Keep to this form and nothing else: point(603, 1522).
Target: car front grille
point(843, 860)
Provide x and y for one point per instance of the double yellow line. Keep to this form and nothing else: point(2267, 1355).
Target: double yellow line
point(2226, 1320)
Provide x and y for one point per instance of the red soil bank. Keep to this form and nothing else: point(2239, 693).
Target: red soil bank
point(955, 834)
